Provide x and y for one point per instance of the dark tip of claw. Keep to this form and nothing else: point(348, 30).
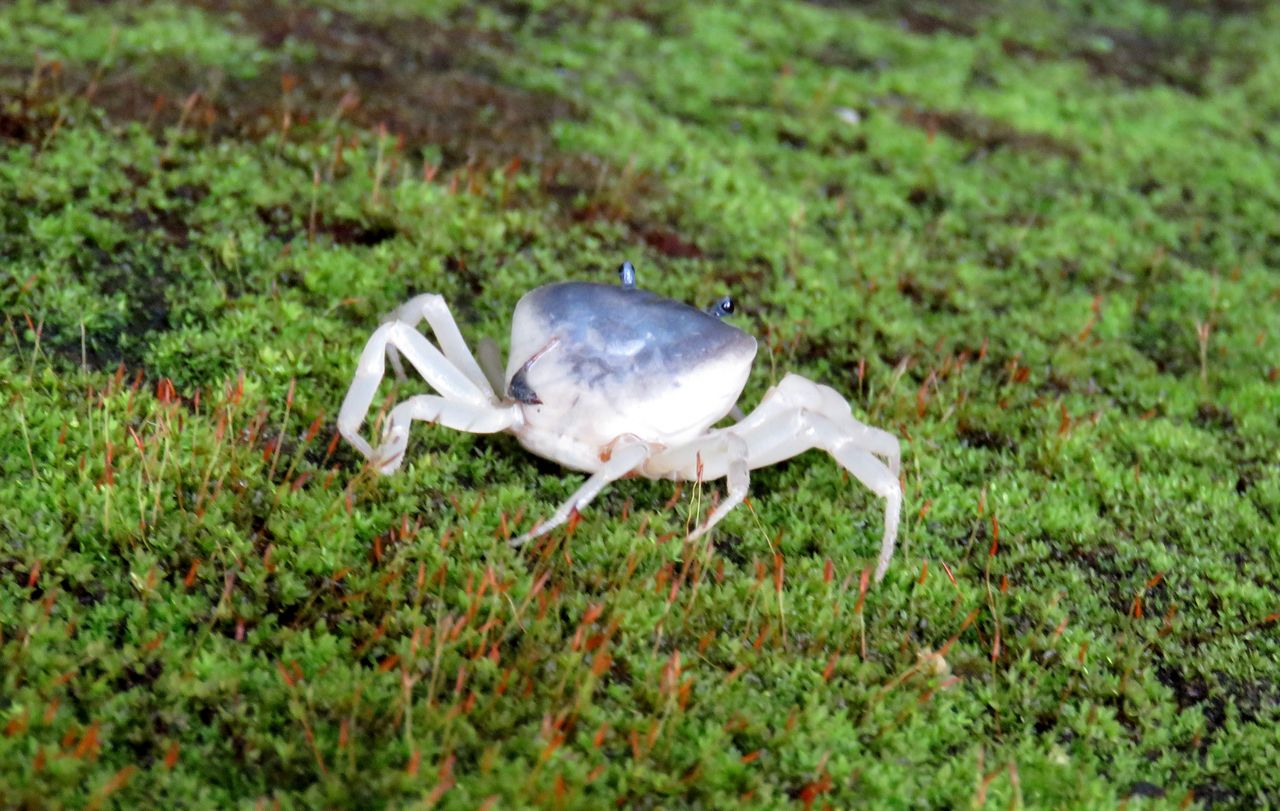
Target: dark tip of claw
point(627, 272)
point(520, 390)
point(721, 308)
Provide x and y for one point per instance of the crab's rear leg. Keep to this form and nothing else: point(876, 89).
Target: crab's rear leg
point(799, 415)
point(626, 455)
point(802, 431)
point(720, 453)
point(795, 392)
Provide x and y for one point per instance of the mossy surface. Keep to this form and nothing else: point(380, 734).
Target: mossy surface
point(1041, 246)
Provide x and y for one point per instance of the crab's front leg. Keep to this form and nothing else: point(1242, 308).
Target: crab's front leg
point(432, 308)
point(461, 404)
point(474, 419)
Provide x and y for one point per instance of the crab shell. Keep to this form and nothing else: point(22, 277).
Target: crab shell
point(592, 362)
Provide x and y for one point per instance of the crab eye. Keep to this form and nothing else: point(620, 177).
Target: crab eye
point(627, 272)
point(721, 308)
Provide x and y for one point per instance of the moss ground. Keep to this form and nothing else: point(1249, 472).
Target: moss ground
point(1038, 242)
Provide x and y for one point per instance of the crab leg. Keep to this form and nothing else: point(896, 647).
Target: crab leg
point(719, 454)
point(790, 434)
point(431, 307)
point(476, 419)
point(443, 376)
point(626, 456)
point(489, 356)
point(795, 392)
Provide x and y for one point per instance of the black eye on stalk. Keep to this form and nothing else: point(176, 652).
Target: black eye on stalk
point(627, 272)
point(721, 308)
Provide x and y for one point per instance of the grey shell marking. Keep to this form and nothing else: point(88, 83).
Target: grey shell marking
point(615, 336)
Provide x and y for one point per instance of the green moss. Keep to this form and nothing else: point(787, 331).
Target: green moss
point(104, 37)
point(1037, 244)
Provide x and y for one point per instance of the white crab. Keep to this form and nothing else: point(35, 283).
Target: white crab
point(614, 380)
